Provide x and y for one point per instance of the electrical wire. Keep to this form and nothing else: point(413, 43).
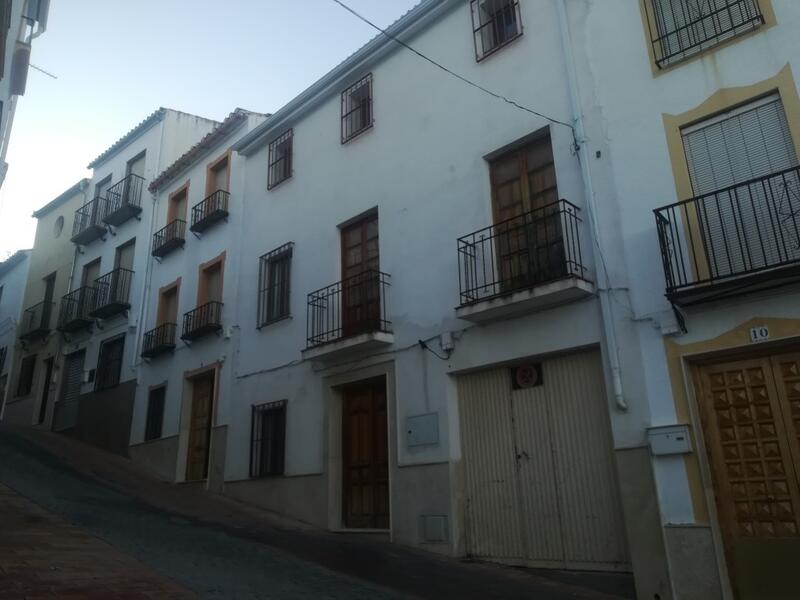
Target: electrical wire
point(450, 72)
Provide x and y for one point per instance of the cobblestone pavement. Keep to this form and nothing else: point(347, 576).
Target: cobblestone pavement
point(41, 556)
point(116, 521)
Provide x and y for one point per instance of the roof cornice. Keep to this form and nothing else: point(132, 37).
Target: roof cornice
point(60, 199)
point(405, 28)
point(155, 117)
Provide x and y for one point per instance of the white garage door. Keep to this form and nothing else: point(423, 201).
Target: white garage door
point(540, 480)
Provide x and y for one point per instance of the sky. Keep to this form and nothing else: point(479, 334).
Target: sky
point(117, 61)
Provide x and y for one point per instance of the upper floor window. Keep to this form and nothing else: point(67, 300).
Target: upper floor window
point(273, 285)
point(495, 23)
point(682, 28)
point(280, 159)
point(357, 114)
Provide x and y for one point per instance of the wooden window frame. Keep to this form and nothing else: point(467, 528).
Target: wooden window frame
point(277, 467)
point(172, 213)
point(346, 114)
point(25, 390)
point(132, 160)
point(214, 166)
point(266, 287)
point(101, 382)
point(202, 282)
point(477, 27)
point(273, 179)
point(163, 291)
point(148, 423)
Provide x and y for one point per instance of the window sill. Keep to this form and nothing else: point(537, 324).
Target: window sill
point(497, 48)
point(277, 184)
point(266, 324)
point(358, 134)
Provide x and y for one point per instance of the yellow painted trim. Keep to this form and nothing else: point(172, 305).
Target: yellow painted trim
point(685, 356)
point(649, 25)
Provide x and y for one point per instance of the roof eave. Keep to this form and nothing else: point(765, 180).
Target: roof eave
point(60, 199)
point(134, 134)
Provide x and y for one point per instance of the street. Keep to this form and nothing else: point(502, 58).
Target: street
point(75, 524)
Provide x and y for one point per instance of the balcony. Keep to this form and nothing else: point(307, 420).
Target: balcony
point(739, 239)
point(210, 211)
point(74, 313)
point(159, 340)
point(36, 322)
point(169, 238)
point(124, 200)
point(525, 264)
point(348, 317)
point(202, 320)
point(113, 291)
point(88, 225)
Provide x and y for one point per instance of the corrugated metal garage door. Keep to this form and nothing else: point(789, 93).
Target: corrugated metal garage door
point(540, 480)
point(66, 409)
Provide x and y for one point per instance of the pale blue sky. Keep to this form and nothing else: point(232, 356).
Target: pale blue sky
point(117, 61)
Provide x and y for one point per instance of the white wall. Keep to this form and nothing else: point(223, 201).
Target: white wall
point(11, 306)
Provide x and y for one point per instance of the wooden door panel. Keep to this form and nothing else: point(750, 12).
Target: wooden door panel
point(365, 455)
point(200, 428)
point(361, 284)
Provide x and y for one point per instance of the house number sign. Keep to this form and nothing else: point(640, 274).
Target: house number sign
point(759, 334)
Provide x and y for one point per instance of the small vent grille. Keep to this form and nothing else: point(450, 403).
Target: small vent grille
point(526, 376)
point(433, 529)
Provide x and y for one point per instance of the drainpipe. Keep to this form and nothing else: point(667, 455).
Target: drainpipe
point(604, 288)
point(75, 252)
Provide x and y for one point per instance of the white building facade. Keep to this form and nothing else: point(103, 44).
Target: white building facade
point(100, 318)
point(13, 275)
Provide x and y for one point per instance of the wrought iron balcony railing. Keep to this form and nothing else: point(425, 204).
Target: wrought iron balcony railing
point(202, 320)
point(169, 238)
point(681, 28)
point(36, 321)
point(159, 340)
point(88, 225)
point(124, 200)
point(729, 239)
point(346, 308)
point(74, 312)
point(537, 247)
point(113, 291)
point(209, 211)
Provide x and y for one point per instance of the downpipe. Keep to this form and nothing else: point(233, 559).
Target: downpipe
point(604, 288)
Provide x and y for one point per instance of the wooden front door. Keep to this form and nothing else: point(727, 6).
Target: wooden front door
point(750, 412)
point(200, 427)
point(529, 241)
point(365, 455)
point(361, 303)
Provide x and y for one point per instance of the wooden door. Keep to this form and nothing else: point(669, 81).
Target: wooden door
point(365, 455)
point(136, 165)
point(91, 272)
point(361, 303)
point(200, 427)
point(750, 411)
point(48, 375)
point(529, 242)
point(168, 306)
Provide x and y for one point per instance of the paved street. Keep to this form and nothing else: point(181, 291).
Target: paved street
point(75, 524)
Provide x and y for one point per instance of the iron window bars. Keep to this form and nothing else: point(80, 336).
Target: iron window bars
point(155, 413)
point(534, 248)
point(109, 363)
point(124, 200)
point(682, 28)
point(214, 208)
point(88, 224)
point(202, 320)
point(357, 113)
point(268, 439)
point(159, 340)
point(734, 232)
point(280, 159)
point(36, 321)
point(168, 238)
point(495, 23)
point(349, 307)
point(25, 378)
point(75, 309)
point(274, 285)
point(112, 293)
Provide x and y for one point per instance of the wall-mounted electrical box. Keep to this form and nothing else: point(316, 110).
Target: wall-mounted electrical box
point(669, 439)
point(422, 430)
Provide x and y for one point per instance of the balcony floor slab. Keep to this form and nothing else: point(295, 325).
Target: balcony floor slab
point(349, 346)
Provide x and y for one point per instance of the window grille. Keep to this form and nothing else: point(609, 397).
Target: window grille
point(26, 370)
point(155, 413)
point(495, 23)
point(109, 363)
point(682, 28)
point(280, 159)
point(357, 115)
point(268, 438)
point(274, 284)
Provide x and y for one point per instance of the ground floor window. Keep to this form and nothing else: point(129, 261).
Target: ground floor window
point(155, 413)
point(268, 436)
